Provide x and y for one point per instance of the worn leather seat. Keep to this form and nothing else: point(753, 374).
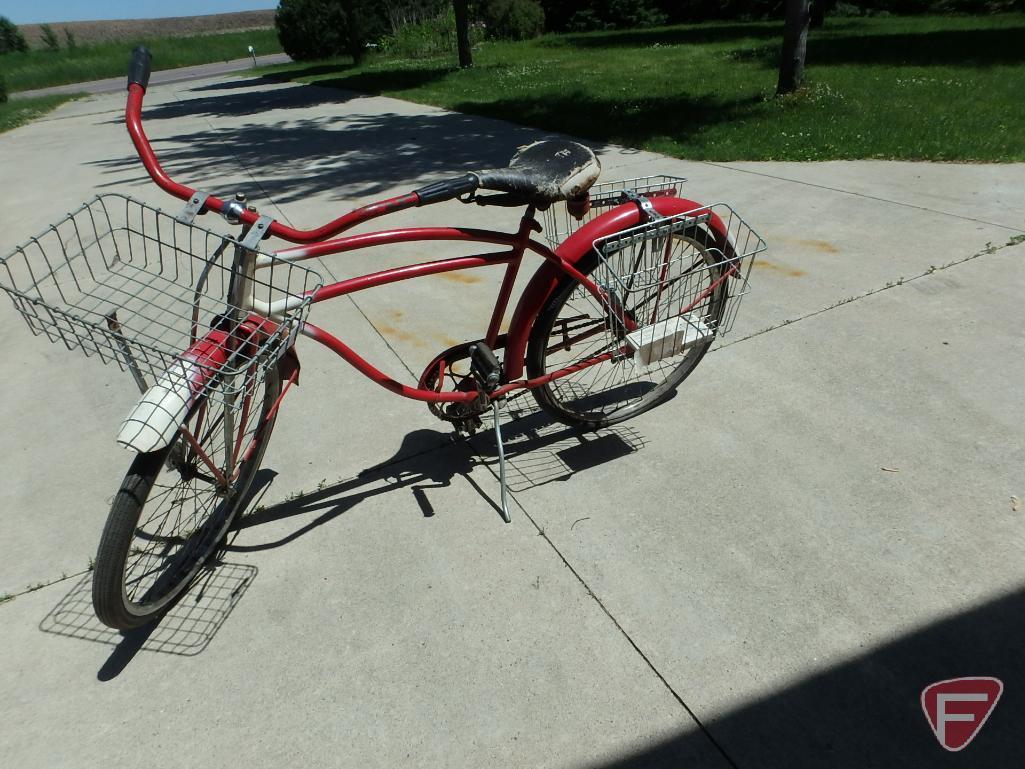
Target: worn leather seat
point(545, 172)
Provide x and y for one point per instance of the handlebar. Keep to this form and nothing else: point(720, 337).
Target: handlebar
point(139, 67)
point(138, 80)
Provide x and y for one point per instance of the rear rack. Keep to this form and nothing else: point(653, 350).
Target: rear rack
point(560, 224)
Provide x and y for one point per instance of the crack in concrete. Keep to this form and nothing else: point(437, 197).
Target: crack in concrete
point(989, 249)
point(9, 597)
point(862, 195)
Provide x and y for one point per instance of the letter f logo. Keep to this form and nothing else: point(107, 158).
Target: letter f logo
point(958, 707)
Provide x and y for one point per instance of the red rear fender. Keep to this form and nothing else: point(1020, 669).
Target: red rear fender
point(575, 248)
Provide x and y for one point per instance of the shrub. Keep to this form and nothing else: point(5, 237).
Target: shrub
point(69, 39)
point(513, 19)
point(11, 38)
point(50, 37)
point(312, 29)
point(318, 29)
point(422, 39)
point(3, 90)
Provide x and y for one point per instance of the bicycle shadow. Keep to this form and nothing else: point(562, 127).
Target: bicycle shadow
point(538, 452)
point(185, 630)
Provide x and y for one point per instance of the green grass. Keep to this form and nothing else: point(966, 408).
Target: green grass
point(39, 69)
point(20, 111)
point(917, 88)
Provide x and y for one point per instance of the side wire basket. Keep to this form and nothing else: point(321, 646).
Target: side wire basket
point(680, 278)
point(560, 224)
point(134, 286)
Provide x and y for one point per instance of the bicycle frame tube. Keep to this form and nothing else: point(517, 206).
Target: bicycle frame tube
point(517, 244)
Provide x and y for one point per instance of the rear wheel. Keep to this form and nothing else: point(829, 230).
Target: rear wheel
point(175, 505)
point(574, 327)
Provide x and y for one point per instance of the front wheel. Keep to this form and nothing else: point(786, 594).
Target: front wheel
point(574, 328)
point(176, 504)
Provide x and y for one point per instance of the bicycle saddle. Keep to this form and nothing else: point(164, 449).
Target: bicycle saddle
point(541, 173)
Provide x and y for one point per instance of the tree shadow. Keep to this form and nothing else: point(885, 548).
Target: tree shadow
point(632, 122)
point(977, 48)
point(664, 36)
point(352, 156)
point(866, 711)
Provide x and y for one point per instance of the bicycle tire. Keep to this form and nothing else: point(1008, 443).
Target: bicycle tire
point(594, 398)
point(161, 577)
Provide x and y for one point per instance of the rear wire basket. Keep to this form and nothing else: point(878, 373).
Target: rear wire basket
point(681, 276)
point(135, 287)
point(560, 224)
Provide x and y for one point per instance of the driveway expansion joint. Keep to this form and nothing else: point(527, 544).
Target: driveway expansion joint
point(989, 249)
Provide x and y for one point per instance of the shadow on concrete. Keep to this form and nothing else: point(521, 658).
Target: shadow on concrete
point(866, 712)
point(538, 453)
point(185, 630)
point(362, 155)
point(293, 157)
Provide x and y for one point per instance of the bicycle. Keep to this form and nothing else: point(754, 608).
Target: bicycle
point(634, 285)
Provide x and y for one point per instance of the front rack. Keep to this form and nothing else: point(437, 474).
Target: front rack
point(137, 287)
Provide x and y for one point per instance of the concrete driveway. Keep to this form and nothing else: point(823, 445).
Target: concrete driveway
point(764, 572)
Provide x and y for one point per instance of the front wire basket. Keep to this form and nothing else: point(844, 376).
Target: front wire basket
point(136, 287)
point(560, 224)
point(680, 279)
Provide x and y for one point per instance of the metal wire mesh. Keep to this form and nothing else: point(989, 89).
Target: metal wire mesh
point(131, 284)
point(560, 224)
point(677, 262)
point(666, 290)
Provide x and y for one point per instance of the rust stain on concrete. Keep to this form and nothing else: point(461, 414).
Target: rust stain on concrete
point(790, 272)
point(401, 334)
point(822, 246)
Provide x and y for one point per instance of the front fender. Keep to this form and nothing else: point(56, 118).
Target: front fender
point(163, 408)
point(575, 248)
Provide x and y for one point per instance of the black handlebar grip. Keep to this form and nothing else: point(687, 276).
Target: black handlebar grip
point(139, 67)
point(446, 190)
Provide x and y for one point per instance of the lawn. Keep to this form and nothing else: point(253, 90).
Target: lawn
point(20, 111)
point(42, 68)
point(915, 88)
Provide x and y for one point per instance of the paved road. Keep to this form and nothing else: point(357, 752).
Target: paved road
point(763, 572)
point(160, 77)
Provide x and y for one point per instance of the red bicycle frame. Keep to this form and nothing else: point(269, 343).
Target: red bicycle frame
point(556, 264)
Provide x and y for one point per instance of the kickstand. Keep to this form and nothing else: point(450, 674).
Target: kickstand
point(501, 462)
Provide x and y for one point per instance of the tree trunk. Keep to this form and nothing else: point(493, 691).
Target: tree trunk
point(355, 30)
point(463, 33)
point(818, 14)
point(795, 41)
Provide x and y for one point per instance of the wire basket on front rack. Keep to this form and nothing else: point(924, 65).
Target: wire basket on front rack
point(675, 283)
point(137, 287)
point(560, 224)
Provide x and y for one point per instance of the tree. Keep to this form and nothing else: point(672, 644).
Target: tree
point(795, 42)
point(463, 33)
point(11, 38)
point(50, 37)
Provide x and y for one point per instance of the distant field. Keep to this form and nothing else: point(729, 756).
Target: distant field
point(136, 29)
point(39, 69)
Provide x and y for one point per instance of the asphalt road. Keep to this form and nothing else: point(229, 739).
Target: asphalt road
point(161, 77)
